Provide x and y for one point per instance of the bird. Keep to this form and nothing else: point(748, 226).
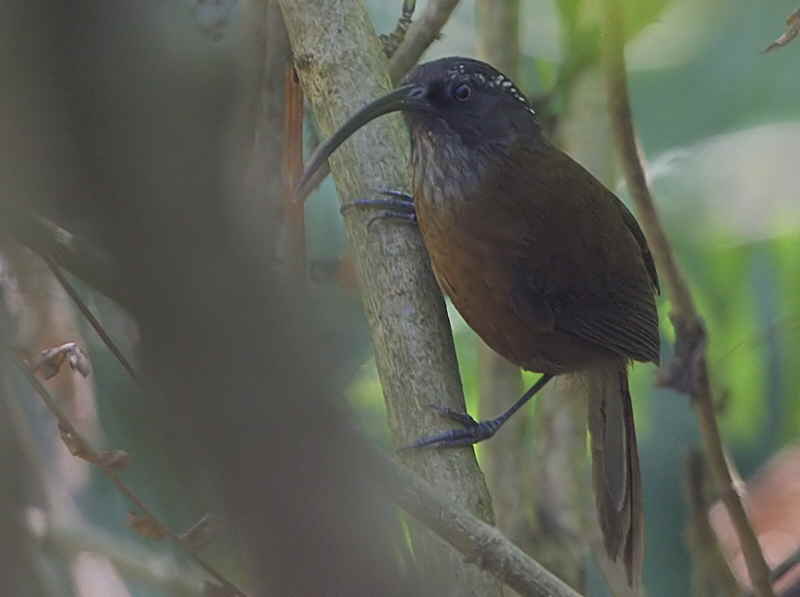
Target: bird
point(542, 261)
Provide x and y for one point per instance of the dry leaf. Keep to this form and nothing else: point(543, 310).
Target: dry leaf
point(146, 526)
point(79, 361)
point(76, 445)
point(50, 360)
point(115, 460)
point(201, 533)
point(792, 29)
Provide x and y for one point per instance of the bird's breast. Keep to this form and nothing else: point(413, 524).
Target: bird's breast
point(474, 245)
point(473, 274)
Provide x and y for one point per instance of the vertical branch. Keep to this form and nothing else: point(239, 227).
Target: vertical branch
point(688, 372)
point(711, 576)
point(498, 35)
point(292, 171)
point(342, 66)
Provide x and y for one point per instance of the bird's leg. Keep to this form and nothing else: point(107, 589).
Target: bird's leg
point(476, 431)
point(396, 205)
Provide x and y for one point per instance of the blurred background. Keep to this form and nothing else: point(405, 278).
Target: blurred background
point(104, 101)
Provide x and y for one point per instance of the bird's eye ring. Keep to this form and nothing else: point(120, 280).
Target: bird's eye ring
point(462, 92)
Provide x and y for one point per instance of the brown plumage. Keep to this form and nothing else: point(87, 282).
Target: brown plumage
point(540, 259)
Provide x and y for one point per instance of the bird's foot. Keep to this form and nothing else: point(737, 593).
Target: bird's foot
point(476, 431)
point(395, 205)
point(472, 433)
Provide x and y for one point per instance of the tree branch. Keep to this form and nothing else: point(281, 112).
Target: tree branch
point(422, 33)
point(688, 372)
point(481, 543)
point(341, 65)
point(80, 446)
point(391, 41)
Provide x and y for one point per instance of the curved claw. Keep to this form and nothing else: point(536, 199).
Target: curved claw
point(458, 437)
point(409, 218)
point(396, 200)
point(403, 196)
point(399, 205)
point(463, 418)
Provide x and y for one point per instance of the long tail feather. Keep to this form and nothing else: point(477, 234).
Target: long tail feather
point(616, 478)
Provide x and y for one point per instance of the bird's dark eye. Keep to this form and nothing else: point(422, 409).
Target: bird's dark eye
point(462, 92)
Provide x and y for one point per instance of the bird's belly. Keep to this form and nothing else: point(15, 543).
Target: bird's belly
point(480, 285)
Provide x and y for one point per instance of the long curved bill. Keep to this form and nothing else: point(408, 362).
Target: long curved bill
point(408, 97)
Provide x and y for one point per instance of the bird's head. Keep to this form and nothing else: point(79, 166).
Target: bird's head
point(466, 98)
point(455, 99)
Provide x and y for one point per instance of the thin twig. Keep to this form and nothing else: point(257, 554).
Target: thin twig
point(93, 321)
point(688, 372)
point(90, 454)
point(393, 40)
point(78, 255)
point(422, 33)
point(782, 569)
point(711, 575)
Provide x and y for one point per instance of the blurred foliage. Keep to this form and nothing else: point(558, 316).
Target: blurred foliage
point(718, 123)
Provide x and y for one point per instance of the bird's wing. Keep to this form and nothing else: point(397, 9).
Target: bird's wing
point(577, 248)
point(647, 257)
point(626, 325)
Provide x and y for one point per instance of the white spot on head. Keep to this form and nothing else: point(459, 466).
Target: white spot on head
point(499, 81)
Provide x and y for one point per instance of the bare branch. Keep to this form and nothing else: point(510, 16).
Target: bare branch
point(393, 40)
point(78, 255)
point(422, 33)
point(711, 575)
point(80, 446)
point(688, 372)
point(93, 321)
point(480, 542)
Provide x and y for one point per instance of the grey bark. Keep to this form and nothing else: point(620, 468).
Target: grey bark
point(479, 542)
point(341, 67)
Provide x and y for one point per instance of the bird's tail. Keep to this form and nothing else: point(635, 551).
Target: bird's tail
point(616, 478)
